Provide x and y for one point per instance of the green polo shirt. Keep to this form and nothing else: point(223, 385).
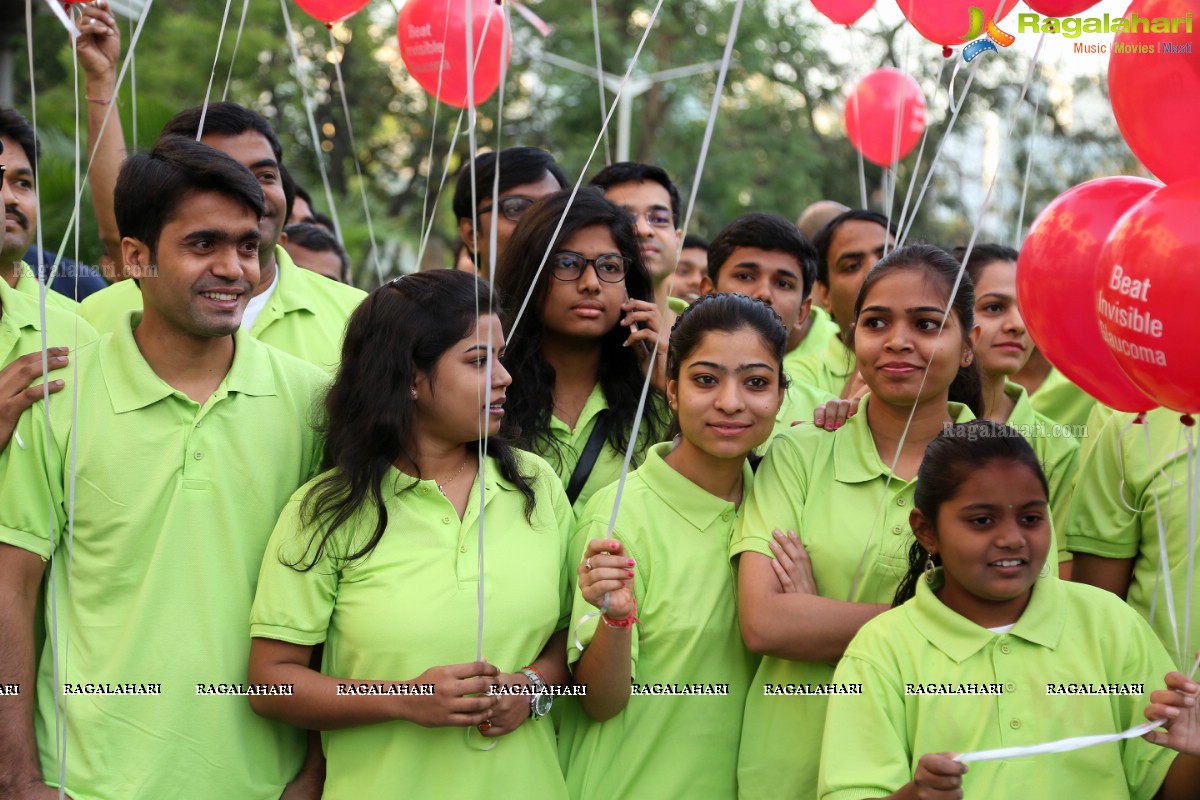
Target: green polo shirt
point(828, 368)
point(173, 505)
point(829, 487)
point(1056, 450)
point(677, 304)
point(1125, 488)
point(28, 284)
point(1069, 635)
point(667, 746)
point(823, 328)
point(21, 327)
point(572, 441)
point(305, 317)
point(425, 569)
point(1061, 400)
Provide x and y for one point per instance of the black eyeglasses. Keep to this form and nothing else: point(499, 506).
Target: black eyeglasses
point(568, 266)
point(655, 217)
point(2, 168)
point(511, 207)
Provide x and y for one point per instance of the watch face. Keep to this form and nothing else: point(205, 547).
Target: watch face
point(542, 703)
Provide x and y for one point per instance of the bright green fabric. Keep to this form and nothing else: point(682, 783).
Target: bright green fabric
point(21, 328)
point(1061, 400)
point(829, 487)
point(28, 284)
point(828, 368)
point(1058, 453)
point(305, 317)
point(411, 604)
point(1125, 488)
point(1068, 634)
point(173, 506)
point(823, 328)
point(666, 746)
point(799, 402)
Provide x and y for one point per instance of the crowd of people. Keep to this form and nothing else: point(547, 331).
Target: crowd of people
point(265, 535)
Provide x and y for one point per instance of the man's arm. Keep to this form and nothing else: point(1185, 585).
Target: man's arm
point(99, 49)
point(20, 581)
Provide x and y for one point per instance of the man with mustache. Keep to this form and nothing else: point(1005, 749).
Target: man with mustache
point(160, 499)
point(652, 200)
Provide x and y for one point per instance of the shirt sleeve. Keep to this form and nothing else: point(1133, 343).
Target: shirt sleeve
point(865, 750)
point(292, 604)
point(1146, 661)
point(1060, 476)
point(775, 501)
point(33, 513)
point(1101, 521)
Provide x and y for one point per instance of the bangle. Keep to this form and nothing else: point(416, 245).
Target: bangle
point(98, 101)
point(622, 624)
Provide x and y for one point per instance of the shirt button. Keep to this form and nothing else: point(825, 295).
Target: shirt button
point(446, 519)
point(198, 424)
point(462, 549)
point(198, 455)
point(896, 530)
point(725, 516)
point(423, 490)
point(1010, 687)
point(899, 501)
point(1015, 724)
point(1003, 648)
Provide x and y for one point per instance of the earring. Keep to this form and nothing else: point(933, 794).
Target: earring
point(968, 359)
point(929, 568)
point(412, 393)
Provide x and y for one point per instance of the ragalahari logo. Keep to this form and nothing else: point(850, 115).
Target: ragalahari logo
point(993, 36)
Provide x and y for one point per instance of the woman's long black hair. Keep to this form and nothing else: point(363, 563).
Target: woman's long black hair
point(949, 460)
point(530, 402)
point(401, 328)
point(942, 269)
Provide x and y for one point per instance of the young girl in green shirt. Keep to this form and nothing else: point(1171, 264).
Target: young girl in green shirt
point(990, 650)
point(662, 582)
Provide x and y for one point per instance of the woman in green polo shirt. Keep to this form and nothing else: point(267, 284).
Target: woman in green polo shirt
point(663, 581)
point(989, 650)
point(1004, 348)
point(379, 559)
point(847, 494)
point(587, 327)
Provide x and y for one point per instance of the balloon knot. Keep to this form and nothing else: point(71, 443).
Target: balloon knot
point(1140, 419)
point(1188, 419)
point(328, 26)
point(947, 51)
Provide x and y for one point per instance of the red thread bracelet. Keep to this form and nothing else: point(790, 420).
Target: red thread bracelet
point(622, 624)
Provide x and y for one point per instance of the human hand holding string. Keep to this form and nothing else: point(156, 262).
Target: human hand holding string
point(606, 578)
point(937, 777)
point(1179, 705)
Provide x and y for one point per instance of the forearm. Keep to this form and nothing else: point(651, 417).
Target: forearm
point(551, 663)
point(317, 703)
point(604, 668)
point(804, 627)
point(19, 765)
point(106, 153)
point(1183, 779)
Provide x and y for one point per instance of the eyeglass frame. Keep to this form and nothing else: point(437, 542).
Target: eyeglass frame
point(635, 215)
point(590, 262)
point(488, 209)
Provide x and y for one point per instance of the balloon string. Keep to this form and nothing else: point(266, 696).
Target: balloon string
point(1065, 745)
point(236, 43)
point(587, 164)
point(312, 120)
point(212, 76)
point(133, 94)
point(1163, 573)
point(1019, 233)
point(1193, 491)
point(600, 81)
point(362, 188)
point(857, 74)
point(920, 155)
point(427, 218)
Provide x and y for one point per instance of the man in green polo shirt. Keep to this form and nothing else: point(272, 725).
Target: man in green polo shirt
point(847, 248)
point(293, 309)
point(160, 500)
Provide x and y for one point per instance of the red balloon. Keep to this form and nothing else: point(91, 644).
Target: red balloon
point(1148, 88)
point(433, 43)
point(1055, 272)
point(1060, 8)
point(1145, 290)
point(949, 21)
point(843, 12)
point(331, 11)
point(871, 112)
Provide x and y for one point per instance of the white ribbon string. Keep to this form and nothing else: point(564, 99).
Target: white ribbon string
point(1064, 745)
point(212, 76)
point(237, 41)
point(1019, 233)
point(362, 184)
point(600, 81)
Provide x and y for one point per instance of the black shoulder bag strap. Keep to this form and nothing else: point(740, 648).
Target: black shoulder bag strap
point(587, 459)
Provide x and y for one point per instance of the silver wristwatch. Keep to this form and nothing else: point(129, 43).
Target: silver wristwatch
point(541, 701)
